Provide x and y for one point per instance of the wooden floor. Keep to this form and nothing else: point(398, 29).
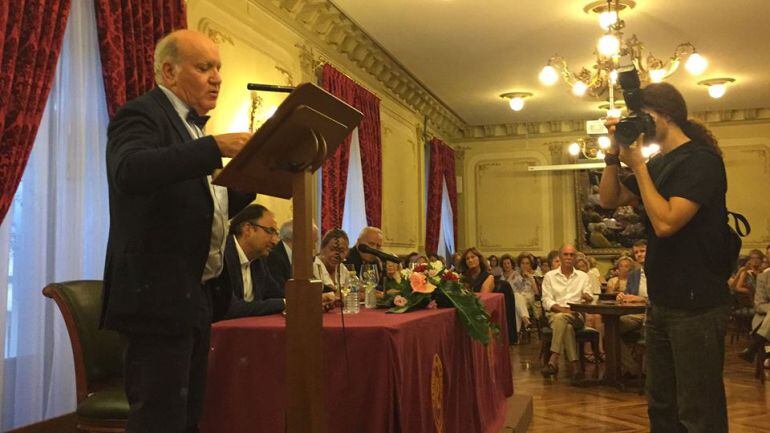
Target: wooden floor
point(559, 407)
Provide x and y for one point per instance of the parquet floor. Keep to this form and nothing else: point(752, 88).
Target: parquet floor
point(559, 407)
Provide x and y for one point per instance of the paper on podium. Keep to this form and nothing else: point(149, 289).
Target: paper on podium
point(306, 129)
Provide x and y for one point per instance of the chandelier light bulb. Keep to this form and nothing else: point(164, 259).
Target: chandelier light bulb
point(516, 103)
point(600, 155)
point(604, 142)
point(614, 113)
point(607, 19)
point(609, 45)
point(696, 64)
point(574, 149)
point(579, 88)
point(716, 91)
point(613, 76)
point(549, 76)
point(657, 75)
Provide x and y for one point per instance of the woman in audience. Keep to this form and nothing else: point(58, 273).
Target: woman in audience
point(746, 283)
point(457, 259)
point(582, 264)
point(624, 264)
point(741, 264)
point(392, 274)
point(494, 267)
point(593, 269)
point(422, 260)
point(554, 262)
point(328, 265)
point(522, 301)
point(474, 268)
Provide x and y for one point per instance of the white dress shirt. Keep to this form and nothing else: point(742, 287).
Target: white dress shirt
point(248, 287)
point(214, 262)
point(320, 272)
point(643, 284)
point(559, 289)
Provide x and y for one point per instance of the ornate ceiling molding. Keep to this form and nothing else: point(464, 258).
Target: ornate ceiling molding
point(572, 127)
point(322, 22)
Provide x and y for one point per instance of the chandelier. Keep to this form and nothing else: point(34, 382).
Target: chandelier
point(601, 80)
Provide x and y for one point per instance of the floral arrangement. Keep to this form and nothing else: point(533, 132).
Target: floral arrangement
point(432, 286)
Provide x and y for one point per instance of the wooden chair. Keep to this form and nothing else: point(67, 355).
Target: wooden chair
point(98, 355)
point(582, 336)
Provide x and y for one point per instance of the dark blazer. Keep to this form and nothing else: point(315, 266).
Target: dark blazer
point(279, 264)
point(161, 213)
point(268, 295)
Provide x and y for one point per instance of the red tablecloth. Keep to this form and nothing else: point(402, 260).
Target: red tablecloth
point(410, 373)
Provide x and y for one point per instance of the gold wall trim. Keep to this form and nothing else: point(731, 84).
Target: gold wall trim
point(322, 22)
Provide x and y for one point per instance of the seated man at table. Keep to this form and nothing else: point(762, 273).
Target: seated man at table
point(279, 259)
point(631, 324)
point(562, 286)
point(371, 236)
point(252, 235)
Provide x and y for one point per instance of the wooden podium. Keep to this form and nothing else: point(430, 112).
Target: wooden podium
point(279, 160)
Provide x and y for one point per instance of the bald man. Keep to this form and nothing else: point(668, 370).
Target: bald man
point(371, 236)
point(168, 227)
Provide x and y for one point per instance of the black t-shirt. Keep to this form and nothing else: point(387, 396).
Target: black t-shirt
point(689, 269)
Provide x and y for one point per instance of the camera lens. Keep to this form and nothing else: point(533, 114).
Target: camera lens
point(627, 131)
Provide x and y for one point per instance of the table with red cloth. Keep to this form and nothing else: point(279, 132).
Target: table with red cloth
point(411, 373)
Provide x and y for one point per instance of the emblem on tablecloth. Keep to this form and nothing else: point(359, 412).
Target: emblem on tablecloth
point(437, 393)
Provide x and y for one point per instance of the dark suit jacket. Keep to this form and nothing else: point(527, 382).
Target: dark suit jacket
point(268, 295)
point(279, 264)
point(161, 213)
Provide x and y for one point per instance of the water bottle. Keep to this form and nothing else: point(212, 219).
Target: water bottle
point(350, 305)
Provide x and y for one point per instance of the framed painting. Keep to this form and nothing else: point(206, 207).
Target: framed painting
point(604, 232)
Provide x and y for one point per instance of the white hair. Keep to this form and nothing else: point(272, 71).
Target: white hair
point(369, 230)
point(166, 51)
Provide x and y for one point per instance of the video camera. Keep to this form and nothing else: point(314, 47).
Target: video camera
point(629, 128)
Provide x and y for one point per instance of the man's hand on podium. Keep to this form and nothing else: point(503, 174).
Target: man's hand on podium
point(230, 144)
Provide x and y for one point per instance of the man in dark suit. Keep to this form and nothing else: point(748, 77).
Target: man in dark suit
point(279, 260)
point(253, 234)
point(167, 233)
point(371, 236)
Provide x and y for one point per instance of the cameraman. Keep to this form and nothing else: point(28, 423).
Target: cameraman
point(683, 193)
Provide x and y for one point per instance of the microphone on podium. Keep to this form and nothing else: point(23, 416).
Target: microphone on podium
point(375, 252)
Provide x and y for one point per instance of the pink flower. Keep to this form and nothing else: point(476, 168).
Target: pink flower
point(420, 283)
point(432, 305)
point(399, 301)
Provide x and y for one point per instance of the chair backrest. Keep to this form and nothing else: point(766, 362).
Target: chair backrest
point(98, 354)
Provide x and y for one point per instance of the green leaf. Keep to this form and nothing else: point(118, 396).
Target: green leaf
point(472, 314)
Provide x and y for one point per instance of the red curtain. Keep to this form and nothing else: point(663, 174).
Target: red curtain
point(128, 30)
point(441, 169)
point(335, 169)
point(31, 35)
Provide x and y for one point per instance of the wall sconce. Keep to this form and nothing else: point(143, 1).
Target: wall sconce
point(516, 99)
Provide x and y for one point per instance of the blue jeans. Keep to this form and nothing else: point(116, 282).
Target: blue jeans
point(685, 359)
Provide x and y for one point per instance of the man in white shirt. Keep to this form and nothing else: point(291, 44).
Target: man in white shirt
point(562, 286)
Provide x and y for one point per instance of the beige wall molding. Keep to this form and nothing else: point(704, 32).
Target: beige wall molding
point(323, 23)
point(565, 127)
point(217, 33)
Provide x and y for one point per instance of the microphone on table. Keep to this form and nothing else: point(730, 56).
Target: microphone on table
point(269, 88)
point(375, 252)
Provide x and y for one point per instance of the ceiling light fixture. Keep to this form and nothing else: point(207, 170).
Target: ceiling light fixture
point(516, 99)
point(717, 86)
point(611, 48)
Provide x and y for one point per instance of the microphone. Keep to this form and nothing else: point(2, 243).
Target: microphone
point(375, 252)
point(269, 88)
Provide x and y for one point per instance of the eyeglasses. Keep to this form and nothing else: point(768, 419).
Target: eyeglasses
point(269, 230)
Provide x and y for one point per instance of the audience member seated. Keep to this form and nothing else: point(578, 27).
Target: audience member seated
point(593, 269)
point(411, 259)
point(457, 259)
point(328, 265)
point(760, 324)
point(562, 286)
point(494, 266)
point(747, 279)
point(524, 296)
point(543, 267)
point(252, 235)
point(617, 284)
point(631, 324)
point(593, 320)
point(474, 268)
point(370, 236)
point(279, 260)
point(422, 260)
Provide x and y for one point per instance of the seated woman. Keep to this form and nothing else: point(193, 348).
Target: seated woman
point(618, 284)
point(523, 290)
point(494, 266)
point(475, 269)
point(328, 265)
